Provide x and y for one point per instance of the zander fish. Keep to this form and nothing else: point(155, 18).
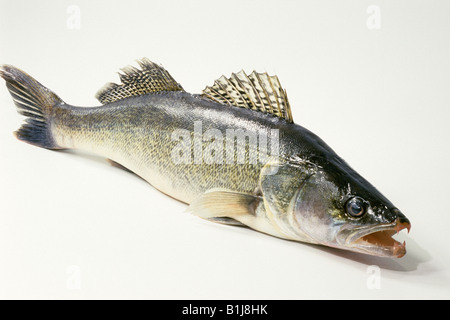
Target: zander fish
point(211, 151)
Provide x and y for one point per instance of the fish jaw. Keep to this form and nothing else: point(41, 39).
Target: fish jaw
point(377, 240)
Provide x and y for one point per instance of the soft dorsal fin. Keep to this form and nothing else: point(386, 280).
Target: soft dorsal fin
point(135, 82)
point(257, 91)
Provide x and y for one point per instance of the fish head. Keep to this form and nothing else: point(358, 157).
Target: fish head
point(337, 207)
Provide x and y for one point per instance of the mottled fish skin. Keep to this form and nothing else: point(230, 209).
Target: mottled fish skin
point(137, 133)
point(305, 192)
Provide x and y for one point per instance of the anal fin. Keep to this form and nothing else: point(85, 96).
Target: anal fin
point(118, 165)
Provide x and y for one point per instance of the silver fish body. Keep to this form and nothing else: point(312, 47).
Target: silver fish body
point(138, 133)
point(233, 154)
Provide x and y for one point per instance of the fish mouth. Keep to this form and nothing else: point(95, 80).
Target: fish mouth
point(379, 240)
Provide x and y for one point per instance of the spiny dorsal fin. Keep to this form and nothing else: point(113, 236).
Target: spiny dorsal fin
point(257, 91)
point(135, 82)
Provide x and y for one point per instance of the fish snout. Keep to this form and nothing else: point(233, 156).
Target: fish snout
point(402, 220)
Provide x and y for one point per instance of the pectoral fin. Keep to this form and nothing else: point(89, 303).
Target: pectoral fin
point(234, 208)
point(225, 206)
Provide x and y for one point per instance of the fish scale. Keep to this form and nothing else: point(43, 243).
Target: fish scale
point(232, 153)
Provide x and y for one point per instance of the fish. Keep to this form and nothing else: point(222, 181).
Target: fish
point(232, 153)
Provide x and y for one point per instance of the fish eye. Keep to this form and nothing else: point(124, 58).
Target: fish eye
point(355, 207)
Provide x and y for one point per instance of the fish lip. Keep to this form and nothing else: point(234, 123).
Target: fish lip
point(377, 240)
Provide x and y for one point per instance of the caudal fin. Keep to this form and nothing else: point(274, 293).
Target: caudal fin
point(34, 101)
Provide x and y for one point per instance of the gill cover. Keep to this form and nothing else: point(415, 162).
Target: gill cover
point(281, 184)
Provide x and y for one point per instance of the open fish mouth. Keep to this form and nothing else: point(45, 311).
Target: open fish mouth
point(379, 240)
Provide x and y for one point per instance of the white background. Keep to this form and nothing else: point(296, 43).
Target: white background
point(73, 227)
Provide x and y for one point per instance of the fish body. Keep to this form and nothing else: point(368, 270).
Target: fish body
point(232, 153)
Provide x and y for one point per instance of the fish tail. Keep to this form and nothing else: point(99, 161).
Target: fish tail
point(34, 101)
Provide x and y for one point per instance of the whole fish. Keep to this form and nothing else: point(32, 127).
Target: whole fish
point(233, 153)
